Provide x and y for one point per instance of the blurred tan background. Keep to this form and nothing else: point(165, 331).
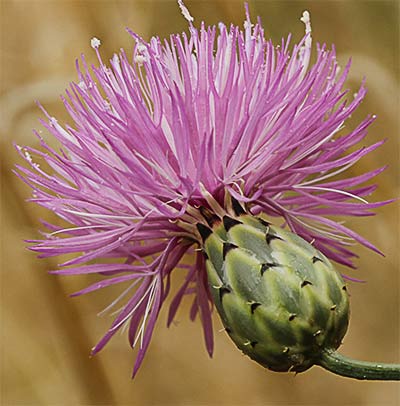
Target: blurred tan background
point(46, 336)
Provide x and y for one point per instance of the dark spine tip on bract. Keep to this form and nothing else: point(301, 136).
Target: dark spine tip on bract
point(305, 283)
point(224, 290)
point(316, 259)
point(204, 231)
point(263, 222)
point(227, 247)
point(229, 222)
point(237, 207)
point(270, 237)
point(209, 216)
point(266, 266)
point(254, 306)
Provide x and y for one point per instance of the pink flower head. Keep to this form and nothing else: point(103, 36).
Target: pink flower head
point(183, 123)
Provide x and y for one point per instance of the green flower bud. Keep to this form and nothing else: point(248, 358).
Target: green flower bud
point(280, 299)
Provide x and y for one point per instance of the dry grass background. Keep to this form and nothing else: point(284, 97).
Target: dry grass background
point(46, 336)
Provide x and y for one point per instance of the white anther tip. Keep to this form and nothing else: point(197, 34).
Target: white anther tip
point(95, 43)
point(305, 18)
point(185, 11)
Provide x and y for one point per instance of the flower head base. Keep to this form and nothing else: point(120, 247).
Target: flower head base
point(187, 123)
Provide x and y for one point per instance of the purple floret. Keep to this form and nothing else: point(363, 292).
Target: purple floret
point(218, 111)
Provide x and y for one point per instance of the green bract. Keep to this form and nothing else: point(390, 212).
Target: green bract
point(280, 300)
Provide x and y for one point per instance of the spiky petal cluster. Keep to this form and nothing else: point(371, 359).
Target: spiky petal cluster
point(183, 123)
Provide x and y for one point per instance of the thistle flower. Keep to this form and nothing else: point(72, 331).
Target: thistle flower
point(180, 132)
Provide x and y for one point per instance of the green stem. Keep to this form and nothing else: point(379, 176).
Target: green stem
point(341, 365)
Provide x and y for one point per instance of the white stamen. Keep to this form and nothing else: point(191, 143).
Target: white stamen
point(95, 43)
point(185, 11)
point(82, 85)
point(338, 237)
point(146, 313)
point(28, 156)
point(248, 25)
point(101, 216)
point(329, 175)
point(141, 55)
point(140, 59)
point(315, 147)
point(307, 22)
point(66, 230)
point(141, 48)
point(118, 325)
point(53, 121)
point(121, 296)
point(107, 71)
point(327, 189)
